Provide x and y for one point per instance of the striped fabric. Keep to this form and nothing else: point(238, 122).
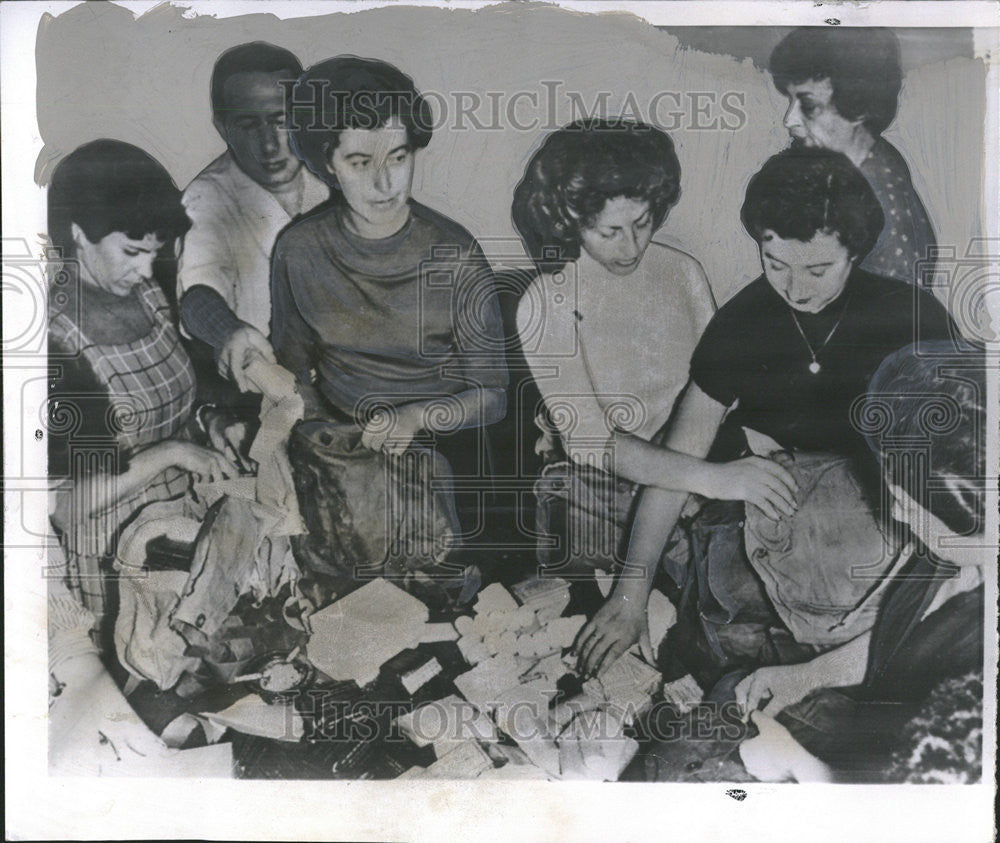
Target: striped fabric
point(151, 388)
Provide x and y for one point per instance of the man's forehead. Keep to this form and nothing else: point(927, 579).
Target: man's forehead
point(255, 92)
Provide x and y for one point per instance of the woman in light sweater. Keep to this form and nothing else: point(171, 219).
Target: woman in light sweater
point(609, 324)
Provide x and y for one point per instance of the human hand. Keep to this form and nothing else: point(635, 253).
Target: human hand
point(615, 627)
point(204, 463)
point(783, 685)
point(230, 437)
point(775, 756)
point(238, 352)
point(757, 480)
point(393, 430)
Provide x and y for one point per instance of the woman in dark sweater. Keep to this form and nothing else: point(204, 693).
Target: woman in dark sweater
point(383, 309)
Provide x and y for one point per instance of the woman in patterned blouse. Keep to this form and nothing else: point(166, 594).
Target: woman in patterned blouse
point(842, 87)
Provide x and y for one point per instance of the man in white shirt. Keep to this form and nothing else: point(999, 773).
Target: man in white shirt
point(239, 204)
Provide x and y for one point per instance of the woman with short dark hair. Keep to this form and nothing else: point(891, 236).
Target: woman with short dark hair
point(789, 354)
point(391, 304)
point(125, 385)
point(842, 87)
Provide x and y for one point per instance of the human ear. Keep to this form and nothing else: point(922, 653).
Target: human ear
point(79, 238)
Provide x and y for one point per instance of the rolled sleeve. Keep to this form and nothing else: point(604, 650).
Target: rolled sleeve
point(206, 257)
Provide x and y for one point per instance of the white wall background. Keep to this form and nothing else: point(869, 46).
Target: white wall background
point(104, 73)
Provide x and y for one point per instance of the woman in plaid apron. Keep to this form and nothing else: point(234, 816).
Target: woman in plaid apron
point(122, 386)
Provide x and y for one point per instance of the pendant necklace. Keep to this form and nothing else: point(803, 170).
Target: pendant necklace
point(814, 366)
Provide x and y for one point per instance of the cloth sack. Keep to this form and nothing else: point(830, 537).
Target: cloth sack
point(369, 514)
point(146, 644)
point(171, 621)
point(824, 567)
point(237, 553)
point(581, 517)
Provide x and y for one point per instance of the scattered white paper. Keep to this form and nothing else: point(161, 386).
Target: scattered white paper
point(446, 723)
point(252, 716)
point(354, 637)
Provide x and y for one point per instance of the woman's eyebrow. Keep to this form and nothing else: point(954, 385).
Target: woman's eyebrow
point(355, 155)
point(818, 265)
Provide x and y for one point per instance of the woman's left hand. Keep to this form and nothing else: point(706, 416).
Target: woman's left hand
point(393, 431)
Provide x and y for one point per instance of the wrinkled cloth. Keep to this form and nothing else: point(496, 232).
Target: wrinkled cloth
point(367, 513)
point(237, 553)
point(170, 620)
point(856, 730)
point(146, 643)
point(826, 566)
point(281, 408)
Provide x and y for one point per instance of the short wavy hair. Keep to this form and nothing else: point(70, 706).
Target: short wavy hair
point(863, 66)
point(577, 170)
point(108, 185)
point(348, 92)
point(805, 190)
point(933, 393)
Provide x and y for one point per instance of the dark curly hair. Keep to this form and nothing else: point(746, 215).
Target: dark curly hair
point(863, 67)
point(109, 185)
point(348, 92)
point(577, 170)
point(805, 190)
point(933, 393)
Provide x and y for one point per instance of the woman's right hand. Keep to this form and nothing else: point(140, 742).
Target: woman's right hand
point(757, 480)
point(204, 463)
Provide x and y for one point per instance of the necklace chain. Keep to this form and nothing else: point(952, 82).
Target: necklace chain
point(814, 366)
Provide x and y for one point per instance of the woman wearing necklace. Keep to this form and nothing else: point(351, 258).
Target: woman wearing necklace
point(787, 356)
point(608, 326)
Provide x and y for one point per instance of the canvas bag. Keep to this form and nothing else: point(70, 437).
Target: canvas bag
point(146, 644)
point(823, 568)
point(581, 516)
point(369, 514)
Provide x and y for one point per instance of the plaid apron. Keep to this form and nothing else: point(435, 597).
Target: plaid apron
point(151, 387)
